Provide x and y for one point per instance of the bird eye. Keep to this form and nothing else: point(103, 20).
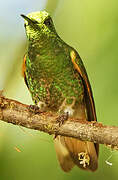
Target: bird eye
point(47, 22)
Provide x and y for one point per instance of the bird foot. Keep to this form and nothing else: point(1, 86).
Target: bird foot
point(34, 109)
point(62, 118)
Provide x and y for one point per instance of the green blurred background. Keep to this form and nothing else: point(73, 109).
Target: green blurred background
point(90, 27)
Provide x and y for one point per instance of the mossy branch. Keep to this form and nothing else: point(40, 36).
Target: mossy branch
point(14, 112)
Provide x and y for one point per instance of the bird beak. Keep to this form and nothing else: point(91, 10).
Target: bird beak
point(27, 19)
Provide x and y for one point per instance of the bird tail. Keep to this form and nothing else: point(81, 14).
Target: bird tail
point(71, 151)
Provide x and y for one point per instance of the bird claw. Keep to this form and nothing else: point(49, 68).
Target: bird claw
point(34, 109)
point(62, 118)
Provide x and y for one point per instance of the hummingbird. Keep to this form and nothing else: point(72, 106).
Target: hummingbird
point(58, 82)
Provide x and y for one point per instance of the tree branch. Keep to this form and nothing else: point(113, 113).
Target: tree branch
point(14, 112)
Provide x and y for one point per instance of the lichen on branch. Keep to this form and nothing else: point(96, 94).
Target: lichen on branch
point(14, 112)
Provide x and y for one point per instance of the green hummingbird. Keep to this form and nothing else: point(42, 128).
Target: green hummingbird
point(57, 80)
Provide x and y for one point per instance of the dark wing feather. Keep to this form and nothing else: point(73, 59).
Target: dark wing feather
point(23, 70)
point(90, 105)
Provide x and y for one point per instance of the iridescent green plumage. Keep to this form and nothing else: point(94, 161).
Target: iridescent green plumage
point(55, 76)
point(50, 78)
point(50, 73)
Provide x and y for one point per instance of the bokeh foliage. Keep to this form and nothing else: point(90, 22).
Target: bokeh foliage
point(90, 27)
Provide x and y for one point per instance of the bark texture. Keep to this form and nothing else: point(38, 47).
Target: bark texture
point(14, 112)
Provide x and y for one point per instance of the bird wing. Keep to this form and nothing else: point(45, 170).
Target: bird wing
point(23, 70)
point(90, 106)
